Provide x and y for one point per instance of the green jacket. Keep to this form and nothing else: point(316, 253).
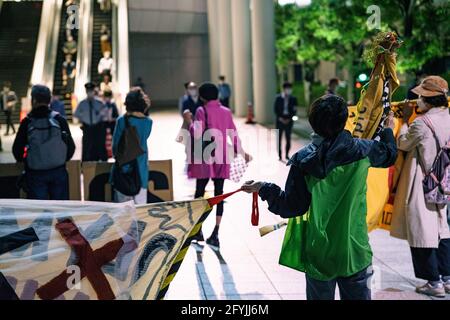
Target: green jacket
point(326, 186)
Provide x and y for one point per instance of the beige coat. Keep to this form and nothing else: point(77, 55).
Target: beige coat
point(423, 225)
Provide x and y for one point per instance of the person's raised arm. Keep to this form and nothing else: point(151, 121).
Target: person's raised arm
point(294, 201)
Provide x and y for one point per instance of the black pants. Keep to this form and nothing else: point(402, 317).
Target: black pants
point(431, 263)
point(218, 190)
point(94, 143)
point(287, 130)
point(225, 102)
point(9, 122)
point(355, 287)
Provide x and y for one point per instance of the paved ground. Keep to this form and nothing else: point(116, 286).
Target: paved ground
point(247, 265)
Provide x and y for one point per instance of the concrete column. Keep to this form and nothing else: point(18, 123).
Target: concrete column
point(263, 53)
point(242, 52)
point(225, 43)
point(123, 59)
point(214, 42)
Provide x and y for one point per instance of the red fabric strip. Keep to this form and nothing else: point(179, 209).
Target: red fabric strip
point(255, 209)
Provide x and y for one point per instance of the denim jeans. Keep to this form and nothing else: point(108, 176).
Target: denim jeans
point(355, 287)
point(50, 184)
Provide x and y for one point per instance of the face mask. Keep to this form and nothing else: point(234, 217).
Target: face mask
point(288, 92)
point(421, 106)
point(192, 93)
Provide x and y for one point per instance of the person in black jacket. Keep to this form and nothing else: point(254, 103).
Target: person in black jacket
point(193, 101)
point(285, 109)
point(46, 182)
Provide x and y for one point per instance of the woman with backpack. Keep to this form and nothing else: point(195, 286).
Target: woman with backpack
point(209, 160)
point(129, 175)
point(417, 218)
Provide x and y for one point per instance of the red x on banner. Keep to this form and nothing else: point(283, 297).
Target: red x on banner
point(90, 263)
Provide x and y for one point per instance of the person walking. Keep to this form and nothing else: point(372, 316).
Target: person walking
point(91, 113)
point(217, 118)
point(285, 108)
point(8, 100)
point(137, 105)
point(224, 92)
point(422, 224)
point(44, 143)
point(192, 101)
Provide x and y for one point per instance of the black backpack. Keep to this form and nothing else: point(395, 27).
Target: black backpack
point(125, 175)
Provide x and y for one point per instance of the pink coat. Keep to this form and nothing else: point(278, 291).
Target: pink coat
point(221, 125)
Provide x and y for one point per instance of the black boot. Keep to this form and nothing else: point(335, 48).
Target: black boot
point(198, 237)
point(213, 240)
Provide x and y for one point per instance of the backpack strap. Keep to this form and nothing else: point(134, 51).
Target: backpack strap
point(429, 124)
point(206, 118)
point(126, 118)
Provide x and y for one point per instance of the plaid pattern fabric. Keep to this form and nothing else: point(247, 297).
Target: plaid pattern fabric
point(238, 168)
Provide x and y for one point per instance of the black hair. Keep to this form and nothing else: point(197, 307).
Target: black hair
point(328, 116)
point(135, 101)
point(7, 84)
point(333, 81)
point(186, 84)
point(208, 91)
point(287, 85)
point(437, 101)
point(41, 94)
point(222, 78)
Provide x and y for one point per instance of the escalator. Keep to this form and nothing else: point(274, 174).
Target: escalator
point(58, 85)
point(100, 18)
point(19, 28)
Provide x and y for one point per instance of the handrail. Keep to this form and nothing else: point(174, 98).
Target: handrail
point(84, 51)
point(47, 44)
point(122, 55)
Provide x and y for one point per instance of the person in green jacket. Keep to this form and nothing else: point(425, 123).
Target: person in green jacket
point(326, 185)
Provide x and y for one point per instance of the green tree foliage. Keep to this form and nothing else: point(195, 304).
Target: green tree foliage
point(336, 30)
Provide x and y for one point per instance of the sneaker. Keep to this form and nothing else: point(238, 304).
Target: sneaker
point(198, 237)
point(447, 286)
point(213, 241)
point(429, 290)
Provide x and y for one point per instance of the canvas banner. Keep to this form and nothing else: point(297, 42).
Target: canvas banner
point(70, 250)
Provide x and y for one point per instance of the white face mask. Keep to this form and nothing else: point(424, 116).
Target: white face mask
point(288, 92)
point(421, 106)
point(192, 92)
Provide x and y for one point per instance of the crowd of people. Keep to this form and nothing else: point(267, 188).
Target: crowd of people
point(326, 181)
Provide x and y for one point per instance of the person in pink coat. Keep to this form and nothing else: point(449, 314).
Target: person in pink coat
point(213, 122)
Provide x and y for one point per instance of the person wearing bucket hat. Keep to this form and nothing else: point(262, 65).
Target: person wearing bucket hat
point(424, 225)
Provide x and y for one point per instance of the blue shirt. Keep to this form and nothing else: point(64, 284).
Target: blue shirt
point(224, 91)
point(143, 128)
point(58, 106)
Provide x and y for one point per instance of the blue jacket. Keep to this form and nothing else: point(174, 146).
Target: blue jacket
point(144, 128)
point(318, 159)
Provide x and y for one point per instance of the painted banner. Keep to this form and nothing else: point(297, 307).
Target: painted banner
point(96, 184)
point(68, 250)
